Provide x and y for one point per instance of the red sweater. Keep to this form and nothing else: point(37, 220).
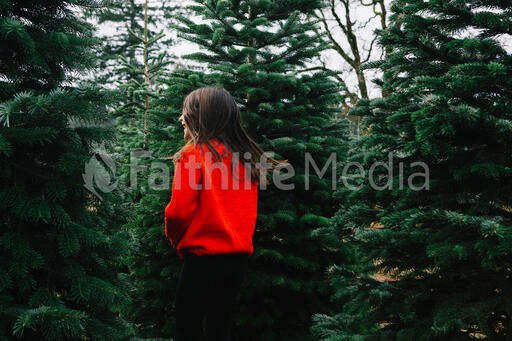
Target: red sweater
point(205, 215)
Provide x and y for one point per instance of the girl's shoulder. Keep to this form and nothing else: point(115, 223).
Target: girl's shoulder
point(189, 151)
point(220, 147)
point(200, 148)
point(214, 142)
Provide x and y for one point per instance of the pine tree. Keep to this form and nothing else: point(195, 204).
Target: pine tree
point(145, 134)
point(125, 20)
point(144, 141)
point(58, 258)
point(259, 52)
point(434, 263)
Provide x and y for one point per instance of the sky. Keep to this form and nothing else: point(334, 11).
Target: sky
point(365, 25)
point(331, 58)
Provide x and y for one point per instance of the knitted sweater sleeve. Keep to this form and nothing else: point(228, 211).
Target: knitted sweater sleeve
point(186, 187)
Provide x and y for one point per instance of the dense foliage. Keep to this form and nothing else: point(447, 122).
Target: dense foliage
point(60, 250)
point(434, 257)
point(413, 244)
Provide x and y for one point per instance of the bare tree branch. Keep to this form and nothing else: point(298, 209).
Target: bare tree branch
point(350, 49)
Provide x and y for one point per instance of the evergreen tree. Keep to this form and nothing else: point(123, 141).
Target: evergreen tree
point(145, 134)
point(141, 141)
point(433, 264)
point(58, 258)
point(259, 51)
point(125, 21)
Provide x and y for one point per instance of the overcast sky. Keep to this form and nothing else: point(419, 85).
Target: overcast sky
point(332, 59)
point(365, 26)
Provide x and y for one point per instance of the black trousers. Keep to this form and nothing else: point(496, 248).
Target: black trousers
point(208, 288)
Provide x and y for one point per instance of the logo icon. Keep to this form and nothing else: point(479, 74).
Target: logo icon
point(97, 176)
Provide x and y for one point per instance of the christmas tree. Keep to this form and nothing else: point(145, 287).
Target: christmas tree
point(259, 52)
point(59, 259)
point(143, 143)
point(121, 24)
point(433, 240)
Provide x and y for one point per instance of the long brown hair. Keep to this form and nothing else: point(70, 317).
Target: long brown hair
point(212, 113)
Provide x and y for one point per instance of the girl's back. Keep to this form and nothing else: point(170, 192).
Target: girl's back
point(217, 200)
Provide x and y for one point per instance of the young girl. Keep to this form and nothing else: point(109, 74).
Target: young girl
point(211, 217)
